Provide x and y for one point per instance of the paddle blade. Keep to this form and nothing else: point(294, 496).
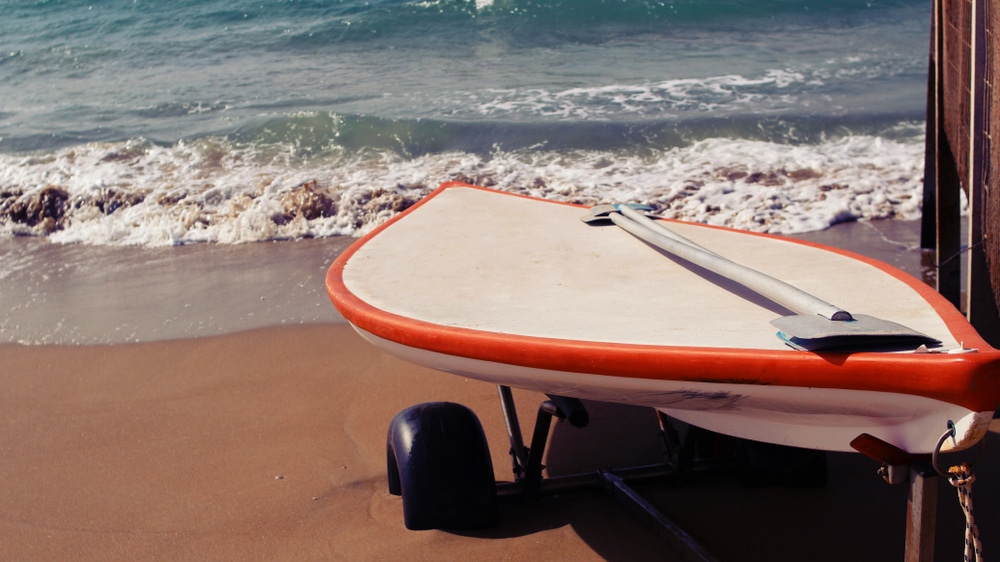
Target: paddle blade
point(811, 332)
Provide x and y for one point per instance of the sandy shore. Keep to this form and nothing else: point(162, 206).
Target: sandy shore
point(269, 444)
point(266, 445)
point(73, 294)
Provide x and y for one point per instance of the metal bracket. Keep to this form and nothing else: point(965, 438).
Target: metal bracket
point(901, 467)
point(527, 463)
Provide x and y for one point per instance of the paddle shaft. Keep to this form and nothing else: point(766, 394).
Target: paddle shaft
point(774, 289)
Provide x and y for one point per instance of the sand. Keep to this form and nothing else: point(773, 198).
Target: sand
point(266, 445)
point(73, 294)
point(269, 444)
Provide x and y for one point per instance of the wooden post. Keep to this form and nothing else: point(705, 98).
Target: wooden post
point(981, 307)
point(900, 467)
point(921, 517)
point(928, 232)
point(947, 185)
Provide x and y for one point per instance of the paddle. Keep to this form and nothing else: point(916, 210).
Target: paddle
point(816, 325)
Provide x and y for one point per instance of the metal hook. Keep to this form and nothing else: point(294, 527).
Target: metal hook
point(937, 449)
point(940, 443)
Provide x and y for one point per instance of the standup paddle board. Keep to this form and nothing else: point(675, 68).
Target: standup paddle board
point(520, 292)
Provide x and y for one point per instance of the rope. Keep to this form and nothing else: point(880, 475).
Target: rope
point(958, 253)
point(961, 477)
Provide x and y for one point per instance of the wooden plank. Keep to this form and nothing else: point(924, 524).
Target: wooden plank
point(981, 308)
point(928, 220)
point(921, 517)
point(947, 184)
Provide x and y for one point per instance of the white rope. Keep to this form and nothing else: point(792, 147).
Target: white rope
point(961, 477)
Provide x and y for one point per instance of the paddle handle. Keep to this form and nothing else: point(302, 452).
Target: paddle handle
point(657, 226)
point(776, 290)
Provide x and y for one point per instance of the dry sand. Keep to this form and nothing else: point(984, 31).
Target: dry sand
point(266, 445)
point(269, 444)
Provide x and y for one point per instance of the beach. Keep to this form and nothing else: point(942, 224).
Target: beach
point(269, 443)
point(177, 177)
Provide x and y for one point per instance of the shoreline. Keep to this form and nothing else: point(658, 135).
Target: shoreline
point(77, 294)
point(85, 295)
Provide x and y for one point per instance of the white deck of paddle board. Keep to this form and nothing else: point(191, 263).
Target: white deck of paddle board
point(488, 261)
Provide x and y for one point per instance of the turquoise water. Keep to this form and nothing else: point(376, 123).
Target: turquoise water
point(158, 123)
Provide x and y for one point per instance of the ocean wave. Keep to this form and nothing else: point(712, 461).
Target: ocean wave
point(220, 190)
point(170, 71)
point(725, 94)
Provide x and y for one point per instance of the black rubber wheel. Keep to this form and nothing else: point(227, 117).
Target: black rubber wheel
point(439, 462)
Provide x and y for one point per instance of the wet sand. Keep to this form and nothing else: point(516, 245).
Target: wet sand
point(56, 294)
point(269, 444)
point(72, 294)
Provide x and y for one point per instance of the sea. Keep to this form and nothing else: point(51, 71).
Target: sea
point(139, 125)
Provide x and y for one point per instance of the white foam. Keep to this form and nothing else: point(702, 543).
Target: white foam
point(763, 91)
point(215, 191)
point(663, 99)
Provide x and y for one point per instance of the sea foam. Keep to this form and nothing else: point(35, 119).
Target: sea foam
point(216, 190)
